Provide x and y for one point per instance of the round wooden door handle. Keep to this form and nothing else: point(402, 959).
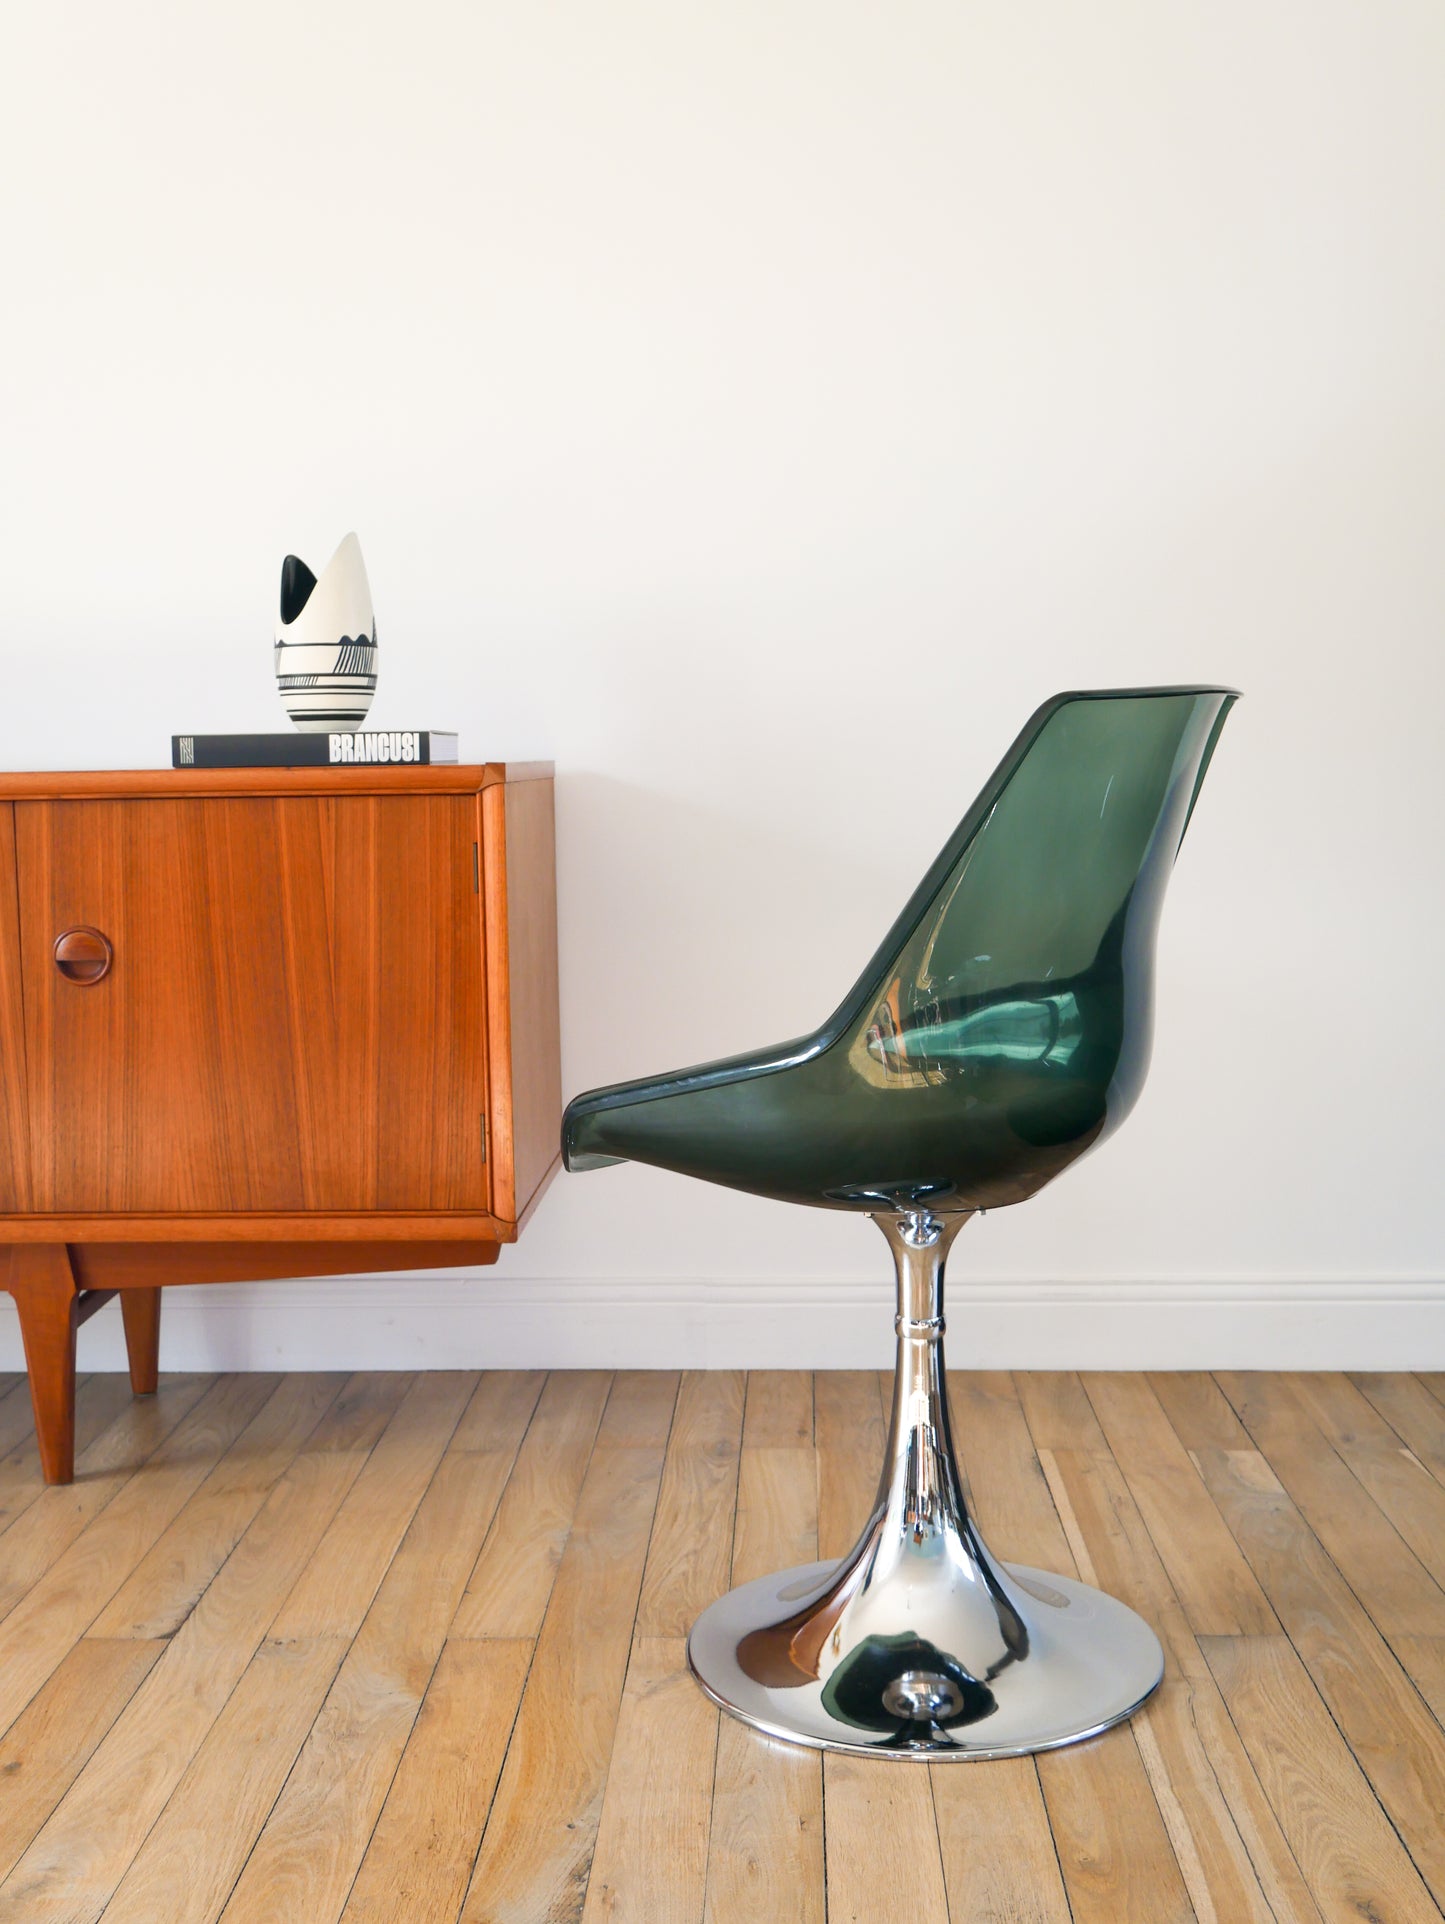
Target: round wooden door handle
point(82, 956)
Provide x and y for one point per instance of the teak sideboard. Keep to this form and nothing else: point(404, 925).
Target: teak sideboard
point(264, 1023)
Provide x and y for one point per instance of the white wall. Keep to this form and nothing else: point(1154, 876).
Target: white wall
point(758, 409)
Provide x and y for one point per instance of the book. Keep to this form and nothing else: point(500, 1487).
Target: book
point(369, 747)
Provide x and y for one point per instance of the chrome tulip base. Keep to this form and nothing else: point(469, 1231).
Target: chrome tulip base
point(918, 1643)
point(913, 1683)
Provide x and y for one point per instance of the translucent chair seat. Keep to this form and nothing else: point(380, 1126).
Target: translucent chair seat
point(1000, 1032)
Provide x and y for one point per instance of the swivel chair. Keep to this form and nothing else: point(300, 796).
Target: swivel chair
point(1000, 1032)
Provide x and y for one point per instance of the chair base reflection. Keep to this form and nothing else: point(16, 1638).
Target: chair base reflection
point(919, 1643)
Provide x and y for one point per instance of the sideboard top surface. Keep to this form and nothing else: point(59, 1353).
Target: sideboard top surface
point(155, 784)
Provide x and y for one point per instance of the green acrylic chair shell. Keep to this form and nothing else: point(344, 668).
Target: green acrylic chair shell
point(1000, 1032)
point(1002, 1028)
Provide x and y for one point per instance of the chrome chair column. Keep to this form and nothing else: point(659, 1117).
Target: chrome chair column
point(919, 1643)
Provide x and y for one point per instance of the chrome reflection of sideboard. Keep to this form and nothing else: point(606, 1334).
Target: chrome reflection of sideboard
point(264, 1023)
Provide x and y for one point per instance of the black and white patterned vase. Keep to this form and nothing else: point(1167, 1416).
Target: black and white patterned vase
point(326, 642)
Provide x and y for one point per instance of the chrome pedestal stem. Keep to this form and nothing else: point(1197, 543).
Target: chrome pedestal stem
point(920, 1493)
point(918, 1643)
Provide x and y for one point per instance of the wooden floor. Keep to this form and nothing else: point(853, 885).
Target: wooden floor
point(388, 1647)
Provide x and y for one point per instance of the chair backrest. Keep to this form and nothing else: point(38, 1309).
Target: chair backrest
point(1022, 965)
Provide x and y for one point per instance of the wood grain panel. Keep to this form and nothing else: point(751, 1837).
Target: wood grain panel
point(779, 1410)
point(765, 1851)
point(352, 1558)
point(191, 1857)
point(170, 784)
point(1412, 1412)
point(140, 1315)
point(537, 1848)
point(502, 1406)
point(132, 1266)
point(1355, 1864)
point(508, 1592)
point(1199, 1411)
point(99, 1400)
point(212, 1804)
point(293, 1019)
point(139, 1787)
point(420, 1855)
point(1211, 1579)
point(777, 1513)
point(14, 1112)
point(1396, 1589)
point(1060, 1416)
point(1398, 1743)
point(1400, 1483)
point(533, 998)
point(519, 908)
point(38, 1632)
point(1114, 1849)
point(881, 1840)
point(48, 1526)
point(999, 1859)
point(850, 1429)
point(131, 1782)
point(687, 1566)
point(162, 1590)
point(1010, 1495)
point(640, 1410)
point(650, 1864)
point(314, 1839)
point(117, 1435)
point(51, 1309)
point(1423, 1661)
point(47, 1747)
point(434, 1232)
point(341, 1503)
point(1115, 1846)
point(15, 1420)
point(1233, 1859)
point(1118, 1863)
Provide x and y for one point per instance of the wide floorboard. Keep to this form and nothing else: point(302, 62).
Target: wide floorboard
point(382, 1647)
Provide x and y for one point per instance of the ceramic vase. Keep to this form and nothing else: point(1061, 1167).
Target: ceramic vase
point(326, 642)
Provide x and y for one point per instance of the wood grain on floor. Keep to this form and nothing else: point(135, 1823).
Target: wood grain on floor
point(360, 1650)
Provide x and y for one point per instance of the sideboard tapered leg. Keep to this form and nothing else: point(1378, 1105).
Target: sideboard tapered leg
point(141, 1309)
point(43, 1284)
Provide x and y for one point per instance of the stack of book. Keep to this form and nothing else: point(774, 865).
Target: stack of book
point(369, 747)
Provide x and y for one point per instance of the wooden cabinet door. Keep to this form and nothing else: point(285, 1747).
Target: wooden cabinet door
point(293, 1018)
point(14, 1117)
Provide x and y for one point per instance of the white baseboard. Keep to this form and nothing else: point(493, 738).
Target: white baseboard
point(432, 1321)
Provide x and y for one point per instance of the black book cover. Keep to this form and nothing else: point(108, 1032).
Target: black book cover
point(368, 747)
